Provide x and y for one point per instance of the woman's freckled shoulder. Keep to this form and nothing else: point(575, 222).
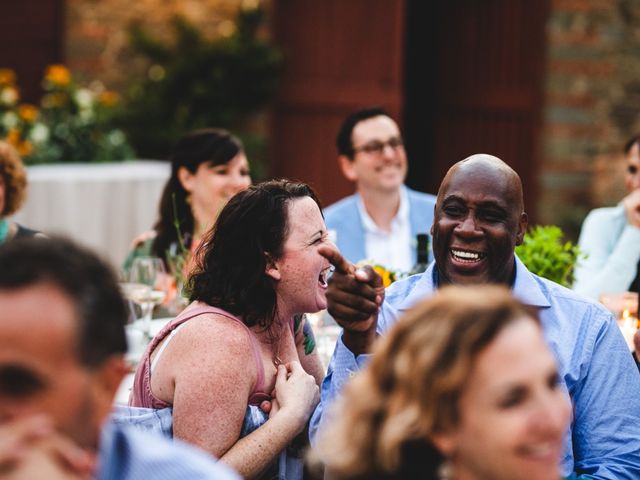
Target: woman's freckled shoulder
point(216, 332)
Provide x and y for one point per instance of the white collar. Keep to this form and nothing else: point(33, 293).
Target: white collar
point(401, 216)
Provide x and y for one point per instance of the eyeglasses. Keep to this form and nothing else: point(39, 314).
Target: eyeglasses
point(376, 147)
point(632, 169)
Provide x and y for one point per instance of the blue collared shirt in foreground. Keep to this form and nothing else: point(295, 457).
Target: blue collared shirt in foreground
point(595, 366)
point(129, 454)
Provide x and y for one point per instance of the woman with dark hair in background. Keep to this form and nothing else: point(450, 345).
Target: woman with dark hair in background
point(244, 341)
point(208, 167)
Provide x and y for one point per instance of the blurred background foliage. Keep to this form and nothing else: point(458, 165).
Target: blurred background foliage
point(71, 123)
point(545, 253)
point(191, 82)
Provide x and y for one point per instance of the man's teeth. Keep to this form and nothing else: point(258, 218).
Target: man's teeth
point(323, 278)
point(461, 255)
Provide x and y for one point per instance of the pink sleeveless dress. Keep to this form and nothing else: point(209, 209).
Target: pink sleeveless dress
point(141, 395)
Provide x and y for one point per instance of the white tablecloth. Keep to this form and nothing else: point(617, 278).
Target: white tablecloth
point(103, 206)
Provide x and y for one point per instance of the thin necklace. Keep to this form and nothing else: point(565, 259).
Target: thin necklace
point(276, 355)
point(4, 230)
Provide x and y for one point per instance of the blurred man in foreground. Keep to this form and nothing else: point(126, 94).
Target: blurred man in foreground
point(62, 346)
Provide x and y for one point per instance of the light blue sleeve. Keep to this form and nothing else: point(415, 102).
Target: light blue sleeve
point(343, 365)
point(613, 249)
point(606, 428)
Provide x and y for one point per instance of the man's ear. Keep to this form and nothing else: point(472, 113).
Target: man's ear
point(346, 165)
point(522, 228)
point(272, 269)
point(107, 379)
point(185, 177)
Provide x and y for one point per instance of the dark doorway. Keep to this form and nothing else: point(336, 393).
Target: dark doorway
point(474, 75)
point(31, 37)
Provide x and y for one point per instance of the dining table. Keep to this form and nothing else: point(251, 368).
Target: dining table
point(101, 205)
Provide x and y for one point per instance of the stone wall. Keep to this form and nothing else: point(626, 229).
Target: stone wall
point(592, 105)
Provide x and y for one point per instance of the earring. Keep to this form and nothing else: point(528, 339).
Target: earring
point(187, 199)
point(445, 470)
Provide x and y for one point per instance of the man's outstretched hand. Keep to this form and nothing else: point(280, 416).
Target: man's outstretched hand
point(354, 296)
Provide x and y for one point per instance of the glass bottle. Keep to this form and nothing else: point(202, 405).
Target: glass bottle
point(422, 254)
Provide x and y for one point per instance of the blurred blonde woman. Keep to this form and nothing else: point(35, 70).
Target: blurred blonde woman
point(13, 191)
point(464, 388)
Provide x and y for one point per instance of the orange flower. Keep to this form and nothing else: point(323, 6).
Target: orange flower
point(24, 148)
point(108, 98)
point(27, 112)
point(58, 75)
point(7, 76)
point(14, 137)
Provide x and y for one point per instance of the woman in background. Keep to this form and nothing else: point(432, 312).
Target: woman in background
point(208, 167)
point(13, 190)
point(463, 388)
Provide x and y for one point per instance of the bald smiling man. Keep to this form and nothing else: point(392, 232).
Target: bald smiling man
point(479, 220)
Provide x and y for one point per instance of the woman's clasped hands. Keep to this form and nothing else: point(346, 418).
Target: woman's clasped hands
point(295, 395)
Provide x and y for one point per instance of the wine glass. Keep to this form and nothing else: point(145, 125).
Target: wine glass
point(147, 287)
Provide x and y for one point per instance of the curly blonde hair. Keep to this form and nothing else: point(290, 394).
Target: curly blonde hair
point(14, 177)
point(380, 427)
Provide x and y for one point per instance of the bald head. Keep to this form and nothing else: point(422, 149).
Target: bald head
point(479, 219)
point(485, 165)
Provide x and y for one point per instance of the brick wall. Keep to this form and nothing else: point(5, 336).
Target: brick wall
point(592, 85)
point(592, 104)
point(96, 38)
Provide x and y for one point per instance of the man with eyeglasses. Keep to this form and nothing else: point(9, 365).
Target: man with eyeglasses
point(611, 238)
point(381, 220)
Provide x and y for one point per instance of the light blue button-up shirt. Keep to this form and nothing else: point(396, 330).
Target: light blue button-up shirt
point(129, 454)
point(595, 366)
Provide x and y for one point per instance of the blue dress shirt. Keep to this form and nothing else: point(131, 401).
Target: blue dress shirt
point(131, 454)
point(344, 217)
point(595, 366)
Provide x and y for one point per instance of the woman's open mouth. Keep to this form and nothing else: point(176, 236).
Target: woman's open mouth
point(323, 278)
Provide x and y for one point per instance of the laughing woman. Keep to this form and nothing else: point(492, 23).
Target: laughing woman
point(244, 340)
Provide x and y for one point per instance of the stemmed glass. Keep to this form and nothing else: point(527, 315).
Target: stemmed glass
point(147, 287)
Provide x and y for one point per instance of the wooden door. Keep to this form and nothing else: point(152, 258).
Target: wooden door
point(31, 38)
point(475, 72)
point(340, 55)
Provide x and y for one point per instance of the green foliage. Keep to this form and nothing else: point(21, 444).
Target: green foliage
point(73, 123)
point(545, 254)
point(193, 82)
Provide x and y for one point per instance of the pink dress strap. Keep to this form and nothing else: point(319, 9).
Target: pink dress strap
point(141, 395)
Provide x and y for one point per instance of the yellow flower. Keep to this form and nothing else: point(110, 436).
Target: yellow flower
point(27, 112)
point(388, 277)
point(9, 95)
point(7, 76)
point(58, 75)
point(108, 98)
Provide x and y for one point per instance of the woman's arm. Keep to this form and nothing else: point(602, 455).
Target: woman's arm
point(214, 372)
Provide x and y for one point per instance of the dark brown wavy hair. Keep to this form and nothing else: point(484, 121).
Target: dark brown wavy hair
point(230, 271)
